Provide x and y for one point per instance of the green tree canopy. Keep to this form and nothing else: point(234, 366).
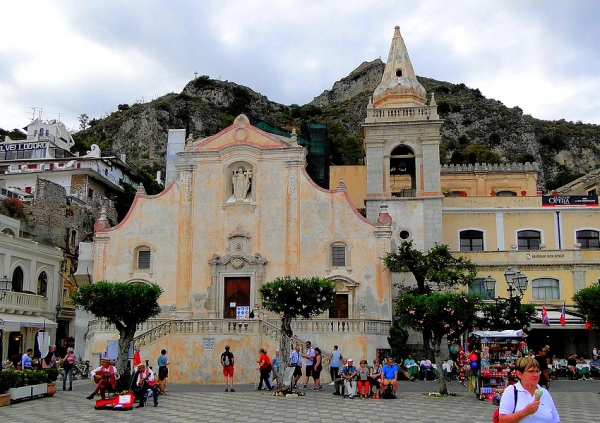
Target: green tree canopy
point(296, 297)
point(587, 302)
point(437, 266)
point(125, 305)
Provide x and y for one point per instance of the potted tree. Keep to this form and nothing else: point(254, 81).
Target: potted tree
point(51, 376)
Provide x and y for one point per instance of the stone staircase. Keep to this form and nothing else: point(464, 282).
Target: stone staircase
point(216, 326)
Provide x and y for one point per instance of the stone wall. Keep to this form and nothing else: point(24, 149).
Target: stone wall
point(53, 215)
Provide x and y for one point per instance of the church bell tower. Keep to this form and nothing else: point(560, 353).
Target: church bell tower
point(402, 137)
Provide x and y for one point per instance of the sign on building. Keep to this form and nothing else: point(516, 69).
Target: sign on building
point(569, 201)
point(242, 312)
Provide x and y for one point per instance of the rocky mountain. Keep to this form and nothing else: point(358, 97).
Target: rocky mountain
point(205, 106)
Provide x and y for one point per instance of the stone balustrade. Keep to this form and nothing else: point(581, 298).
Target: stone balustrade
point(379, 327)
point(104, 326)
point(21, 302)
point(401, 113)
point(155, 329)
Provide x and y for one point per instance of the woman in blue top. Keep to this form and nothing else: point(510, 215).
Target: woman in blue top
point(163, 370)
point(275, 372)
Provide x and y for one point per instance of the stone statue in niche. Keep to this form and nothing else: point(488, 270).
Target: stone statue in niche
point(241, 180)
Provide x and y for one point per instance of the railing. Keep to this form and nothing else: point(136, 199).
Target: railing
point(196, 326)
point(155, 329)
point(25, 302)
point(402, 113)
point(406, 192)
point(342, 325)
point(104, 326)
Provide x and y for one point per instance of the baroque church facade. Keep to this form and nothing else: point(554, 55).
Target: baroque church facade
point(241, 211)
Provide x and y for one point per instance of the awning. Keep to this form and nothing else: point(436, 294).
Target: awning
point(499, 334)
point(14, 322)
point(572, 320)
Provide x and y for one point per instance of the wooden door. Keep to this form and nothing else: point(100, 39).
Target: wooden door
point(237, 290)
point(340, 307)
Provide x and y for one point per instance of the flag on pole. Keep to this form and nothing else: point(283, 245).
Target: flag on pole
point(545, 318)
point(563, 315)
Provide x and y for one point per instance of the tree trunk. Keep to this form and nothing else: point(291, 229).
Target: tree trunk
point(285, 348)
point(438, 360)
point(125, 338)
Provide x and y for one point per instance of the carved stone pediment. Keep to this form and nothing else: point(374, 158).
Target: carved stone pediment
point(237, 261)
point(238, 242)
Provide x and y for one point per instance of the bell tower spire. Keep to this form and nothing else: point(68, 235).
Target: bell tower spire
point(402, 141)
point(399, 86)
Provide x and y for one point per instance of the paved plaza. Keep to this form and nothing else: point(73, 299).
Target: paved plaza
point(576, 401)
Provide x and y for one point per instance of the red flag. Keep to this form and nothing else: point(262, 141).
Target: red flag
point(563, 315)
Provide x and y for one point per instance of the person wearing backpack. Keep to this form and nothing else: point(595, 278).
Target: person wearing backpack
point(264, 367)
point(529, 402)
point(227, 361)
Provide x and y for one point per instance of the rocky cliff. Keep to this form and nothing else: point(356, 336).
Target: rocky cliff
point(205, 106)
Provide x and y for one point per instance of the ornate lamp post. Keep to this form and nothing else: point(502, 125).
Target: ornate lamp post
point(5, 286)
point(517, 285)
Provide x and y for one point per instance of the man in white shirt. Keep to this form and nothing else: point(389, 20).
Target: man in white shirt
point(308, 360)
point(144, 380)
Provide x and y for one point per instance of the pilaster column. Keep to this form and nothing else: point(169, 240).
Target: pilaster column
point(185, 247)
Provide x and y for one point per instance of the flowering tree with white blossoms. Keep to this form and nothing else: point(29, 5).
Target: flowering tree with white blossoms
point(293, 298)
point(438, 315)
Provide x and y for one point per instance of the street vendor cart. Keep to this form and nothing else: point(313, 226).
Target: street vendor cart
point(496, 352)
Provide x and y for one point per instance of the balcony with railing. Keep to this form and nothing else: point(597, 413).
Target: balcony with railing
point(401, 114)
point(23, 303)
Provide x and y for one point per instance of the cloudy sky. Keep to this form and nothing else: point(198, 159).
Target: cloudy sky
point(70, 57)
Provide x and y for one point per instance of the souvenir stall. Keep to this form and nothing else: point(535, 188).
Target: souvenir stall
point(492, 356)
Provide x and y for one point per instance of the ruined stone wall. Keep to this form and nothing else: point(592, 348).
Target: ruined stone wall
point(82, 184)
point(53, 215)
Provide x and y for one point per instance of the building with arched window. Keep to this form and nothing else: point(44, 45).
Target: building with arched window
point(30, 306)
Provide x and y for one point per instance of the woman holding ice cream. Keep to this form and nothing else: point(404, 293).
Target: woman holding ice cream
point(534, 403)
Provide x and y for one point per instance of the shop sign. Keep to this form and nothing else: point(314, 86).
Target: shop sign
point(569, 201)
point(23, 146)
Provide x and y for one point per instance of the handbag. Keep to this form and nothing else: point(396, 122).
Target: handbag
point(496, 415)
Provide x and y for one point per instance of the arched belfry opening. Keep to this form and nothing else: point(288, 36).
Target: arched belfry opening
point(403, 178)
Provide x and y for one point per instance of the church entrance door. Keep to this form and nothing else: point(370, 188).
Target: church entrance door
point(340, 307)
point(237, 294)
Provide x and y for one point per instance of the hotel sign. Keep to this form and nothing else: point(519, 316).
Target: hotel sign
point(23, 146)
point(569, 201)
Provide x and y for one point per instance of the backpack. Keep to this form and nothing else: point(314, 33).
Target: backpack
point(496, 415)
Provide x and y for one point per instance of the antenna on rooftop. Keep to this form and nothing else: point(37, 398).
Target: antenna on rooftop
point(33, 110)
point(59, 115)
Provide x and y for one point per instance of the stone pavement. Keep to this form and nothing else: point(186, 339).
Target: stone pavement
point(576, 401)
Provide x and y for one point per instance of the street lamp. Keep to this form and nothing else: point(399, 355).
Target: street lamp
point(517, 285)
point(5, 286)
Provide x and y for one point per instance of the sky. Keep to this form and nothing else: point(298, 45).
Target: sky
point(63, 58)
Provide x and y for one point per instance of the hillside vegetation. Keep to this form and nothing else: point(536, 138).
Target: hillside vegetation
point(476, 128)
